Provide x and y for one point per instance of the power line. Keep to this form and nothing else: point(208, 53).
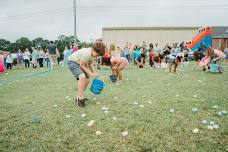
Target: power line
point(38, 13)
point(122, 8)
point(142, 6)
point(149, 7)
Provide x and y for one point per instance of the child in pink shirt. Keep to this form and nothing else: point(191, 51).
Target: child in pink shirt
point(2, 67)
point(75, 49)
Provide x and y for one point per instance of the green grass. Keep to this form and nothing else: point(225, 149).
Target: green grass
point(152, 128)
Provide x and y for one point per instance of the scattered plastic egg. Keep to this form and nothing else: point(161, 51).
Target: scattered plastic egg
point(83, 115)
point(204, 122)
point(68, 116)
point(215, 107)
point(142, 106)
point(224, 112)
point(210, 127)
point(195, 130)
point(194, 109)
point(98, 133)
point(212, 123)
point(91, 122)
point(171, 110)
point(215, 126)
point(219, 113)
point(124, 134)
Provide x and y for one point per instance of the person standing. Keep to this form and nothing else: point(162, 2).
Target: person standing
point(34, 57)
point(58, 56)
point(69, 53)
point(226, 52)
point(52, 48)
point(26, 57)
point(47, 56)
point(157, 49)
point(5, 55)
point(75, 48)
point(131, 47)
point(136, 54)
point(9, 61)
point(144, 50)
point(151, 55)
point(115, 52)
point(2, 67)
point(126, 53)
point(41, 57)
point(65, 56)
point(19, 58)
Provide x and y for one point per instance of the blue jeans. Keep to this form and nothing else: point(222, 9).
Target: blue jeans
point(5, 62)
point(65, 62)
point(48, 62)
point(128, 57)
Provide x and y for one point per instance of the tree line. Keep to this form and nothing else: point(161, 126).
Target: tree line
point(24, 42)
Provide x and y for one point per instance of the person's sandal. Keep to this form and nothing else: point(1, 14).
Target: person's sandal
point(80, 102)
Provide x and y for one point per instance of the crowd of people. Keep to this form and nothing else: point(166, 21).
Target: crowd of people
point(158, 57)
point(170, 56)
point(37, 58)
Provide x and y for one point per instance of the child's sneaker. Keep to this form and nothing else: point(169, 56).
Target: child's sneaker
point(80, 102)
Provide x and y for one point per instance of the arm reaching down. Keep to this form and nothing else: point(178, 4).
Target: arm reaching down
point(84, 68)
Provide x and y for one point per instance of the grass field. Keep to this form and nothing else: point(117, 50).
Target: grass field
point(141, 104)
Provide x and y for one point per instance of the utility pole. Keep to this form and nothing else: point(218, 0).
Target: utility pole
point(75, 32)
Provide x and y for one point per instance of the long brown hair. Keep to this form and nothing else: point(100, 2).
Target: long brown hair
point(210, 52)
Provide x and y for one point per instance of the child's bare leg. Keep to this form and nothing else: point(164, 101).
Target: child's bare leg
point(175, 67)
point(120, 68)
point(86, 84)
point(81, 85)
point(170, 68)
point(120, 75)
point(113, 71)
point(117, 73)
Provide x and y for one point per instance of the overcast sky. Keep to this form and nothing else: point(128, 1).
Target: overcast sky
point(50, 18)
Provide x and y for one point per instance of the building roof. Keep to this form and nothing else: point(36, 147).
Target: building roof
point(220, 32)
point(152, 28)
point(217, 31)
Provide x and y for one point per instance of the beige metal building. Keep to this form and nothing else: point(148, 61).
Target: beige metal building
point(220, 37)
point(136, 35)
